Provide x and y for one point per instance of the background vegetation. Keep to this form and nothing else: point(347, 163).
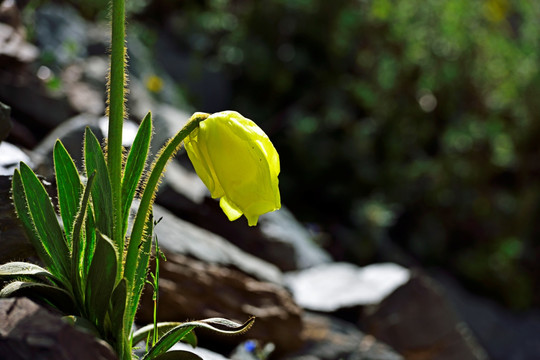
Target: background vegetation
point(409, 122)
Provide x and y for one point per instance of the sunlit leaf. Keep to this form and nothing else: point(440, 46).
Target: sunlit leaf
point(135, 166)
point(69, 186)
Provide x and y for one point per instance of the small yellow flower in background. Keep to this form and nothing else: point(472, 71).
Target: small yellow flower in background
point(154, 83)
point(237, 163)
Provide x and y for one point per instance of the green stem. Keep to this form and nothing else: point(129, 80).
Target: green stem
point(116, 114)
point(148, 195)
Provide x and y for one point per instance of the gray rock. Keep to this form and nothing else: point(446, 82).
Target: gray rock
point(14, 46)
point(61, 32)
point(181, 237)
point(329, 287)
point(5, 121)
point(10, 157)
point(192, 289)
point(505, 335)
point(29, 331)
point(281, 226)
point(71, 133)
point(327, 338)
point(418, 321)
point(13, 242)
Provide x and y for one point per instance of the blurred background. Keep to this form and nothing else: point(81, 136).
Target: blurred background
point(409, 131)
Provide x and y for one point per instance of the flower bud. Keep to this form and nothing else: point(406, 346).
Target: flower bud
point(237, 163)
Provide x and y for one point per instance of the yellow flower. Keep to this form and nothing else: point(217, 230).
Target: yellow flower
point(237, 163)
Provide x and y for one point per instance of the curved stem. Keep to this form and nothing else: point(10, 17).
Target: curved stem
point(158, 167)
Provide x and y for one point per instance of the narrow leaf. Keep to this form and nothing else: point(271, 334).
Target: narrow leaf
point(77, 241)
point(53, 295)
point(219, 325)
point(178, 355)
point(21, 206)
point(24, 269)
point(42, 213)
point(101, 279)
point(89, 246)
point(135, 166)
point(163, 328)
point(145, 206)
point(101, 191)
point(69, 187)
point(141, 273)
point(118, 303)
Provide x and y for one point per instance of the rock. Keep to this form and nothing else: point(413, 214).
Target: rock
point(418, 322)
point(180, 237)
point(13, 242)
point(330, 287)
point(61, 32)
point(504, 335)
point(281, 227)
point(15, 50)
point(71, 133)
point(10, 157)
point(5, 121)
point(29, 331)
point(327, 338)
point(279, 239)
point(192, 289)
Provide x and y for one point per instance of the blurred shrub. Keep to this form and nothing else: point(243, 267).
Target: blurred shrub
point(415, 120)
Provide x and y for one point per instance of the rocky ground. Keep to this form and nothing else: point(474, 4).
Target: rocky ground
point(307, 306)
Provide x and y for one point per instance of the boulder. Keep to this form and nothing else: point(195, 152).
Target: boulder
point(418, 322)
point(29, 331)
point(328, 338)
point(192, 289)
point(13, 242)
point(330, 287)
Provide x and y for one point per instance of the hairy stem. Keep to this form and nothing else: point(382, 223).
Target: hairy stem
point(116, 114)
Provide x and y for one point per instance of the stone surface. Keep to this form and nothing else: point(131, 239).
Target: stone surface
point(71, 133)
point(180, 237)
point(29, 331)
point(505, 335)
point(418, 322)
point(327, 338)
point(191, 289)
point(5, 121)
point(329, 287)
point(282, 227)
point(10, 157)
point(13, 242)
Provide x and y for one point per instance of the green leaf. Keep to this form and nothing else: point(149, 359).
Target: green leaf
point(118, 303)
point(178, 355)
point(135, 167)
point(141, 273)
point(163, 328)
point(219, 325)
point(42, 212)
point(53, 295)
point(78, 241)
point(69, 187)
point(101, 191)
point(101, 279)
point(21, 206)
point(145, 206)
point(24, 269)
point(90, 244)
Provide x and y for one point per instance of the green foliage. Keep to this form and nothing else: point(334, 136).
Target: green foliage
point(94, 269)
point(421, 110)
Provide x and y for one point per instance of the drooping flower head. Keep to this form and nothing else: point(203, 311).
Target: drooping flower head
point(238, 164)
